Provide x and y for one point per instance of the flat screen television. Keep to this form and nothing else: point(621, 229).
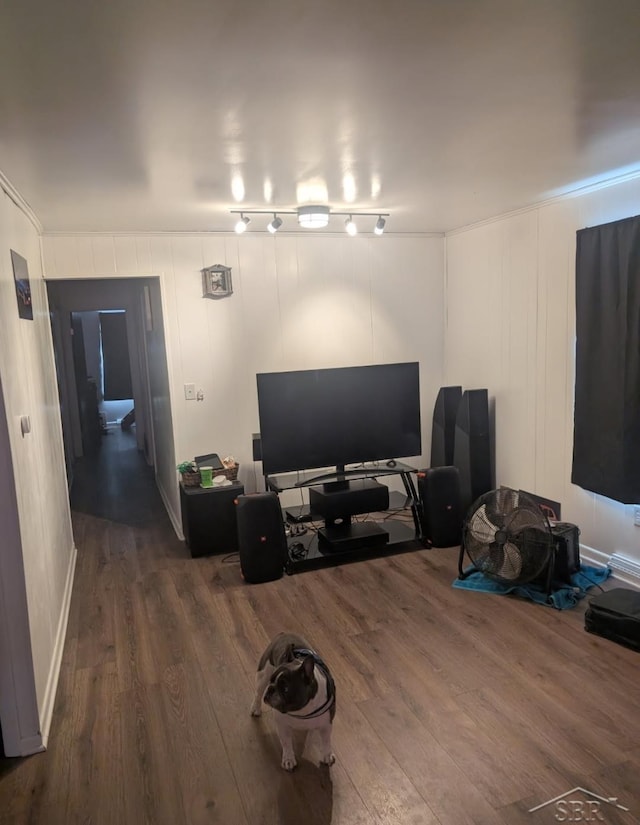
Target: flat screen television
point(334, 417)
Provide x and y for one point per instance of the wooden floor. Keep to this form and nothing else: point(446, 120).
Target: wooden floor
point(453, 707)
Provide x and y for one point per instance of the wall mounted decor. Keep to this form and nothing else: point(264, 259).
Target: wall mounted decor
point(23, 287)
point(216, 281)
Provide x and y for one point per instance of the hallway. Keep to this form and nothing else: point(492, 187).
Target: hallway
point(116, 483)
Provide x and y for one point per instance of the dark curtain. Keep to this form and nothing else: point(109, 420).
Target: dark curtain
point(115, 356)
point(606, 440)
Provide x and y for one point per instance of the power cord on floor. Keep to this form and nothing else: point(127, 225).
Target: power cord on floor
point(297, 551)
point(591, 581)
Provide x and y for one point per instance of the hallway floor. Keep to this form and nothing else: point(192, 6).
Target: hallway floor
point(116, 483)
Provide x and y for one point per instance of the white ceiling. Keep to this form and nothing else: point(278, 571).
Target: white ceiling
point(152, 115)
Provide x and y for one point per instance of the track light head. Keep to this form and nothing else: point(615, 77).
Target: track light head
point(350, 226)
point(379, 227)
point(242, 224)
point(275, 224)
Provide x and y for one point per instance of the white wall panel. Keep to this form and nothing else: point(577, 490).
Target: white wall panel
point(104, 256)
point(29, 386)
point(126, 257)
point(554, 379)
point(84, 255)
point(143, 255)
point(515, 387)
point(610, 203)
point(474, 302)
point(160, 251)
point(510, 288)
point(298, 302)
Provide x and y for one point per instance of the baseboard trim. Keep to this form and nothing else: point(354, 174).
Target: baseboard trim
point(46, 714)
point(173, 517)
point(623, 569)
point(31, 745)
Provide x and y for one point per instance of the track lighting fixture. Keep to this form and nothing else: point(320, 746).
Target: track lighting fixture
point(242, 224)
point(275, 224)
point(310, 216)
point(350, 226)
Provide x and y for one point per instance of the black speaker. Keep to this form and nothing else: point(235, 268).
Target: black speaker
point(261, 538)
point(567, 555)
point(472, 447)
point(439, 490)
point(443, 429)
point(565, 560)
point(256, 443)
point(343, 499)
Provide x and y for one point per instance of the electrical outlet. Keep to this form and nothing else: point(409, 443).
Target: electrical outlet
point(636, 515)
point(190, 392)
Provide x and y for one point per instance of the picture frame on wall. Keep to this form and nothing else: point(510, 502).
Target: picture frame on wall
point(23, 287)
point(216, 281)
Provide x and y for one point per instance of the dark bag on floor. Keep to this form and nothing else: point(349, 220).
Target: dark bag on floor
point(616, 616)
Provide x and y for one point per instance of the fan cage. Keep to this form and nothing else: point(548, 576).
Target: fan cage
point(507, 537)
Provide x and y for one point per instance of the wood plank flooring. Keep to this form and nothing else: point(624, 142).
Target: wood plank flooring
point(453, 707)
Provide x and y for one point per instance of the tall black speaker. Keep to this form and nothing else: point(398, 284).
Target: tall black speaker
point(261, 538)
point(472, 447)
point(439, 490)
point(443, 429)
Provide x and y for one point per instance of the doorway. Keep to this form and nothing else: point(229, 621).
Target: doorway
point(101, 330)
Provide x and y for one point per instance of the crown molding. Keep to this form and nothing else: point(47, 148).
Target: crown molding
point(9, 189)
point(573, 193)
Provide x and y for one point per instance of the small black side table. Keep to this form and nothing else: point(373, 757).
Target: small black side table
point(209, 518)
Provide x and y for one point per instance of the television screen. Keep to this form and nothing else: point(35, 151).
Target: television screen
point(333, 417)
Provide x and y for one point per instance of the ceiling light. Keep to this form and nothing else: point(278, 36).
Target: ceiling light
point(242, 224)
point(350, 226)
point(275, 224)
point(313, 217)
point(310, 216)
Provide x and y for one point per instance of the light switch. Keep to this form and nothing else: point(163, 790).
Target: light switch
point(190, 392)
point(25, 424)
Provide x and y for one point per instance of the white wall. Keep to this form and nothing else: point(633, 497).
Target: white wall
point(298, 302)
point(511, 328)
point(28, 382)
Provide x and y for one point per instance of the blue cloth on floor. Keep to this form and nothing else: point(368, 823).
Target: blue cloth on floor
point(562, 596)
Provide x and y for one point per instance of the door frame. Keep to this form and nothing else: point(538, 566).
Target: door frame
point(92, 295)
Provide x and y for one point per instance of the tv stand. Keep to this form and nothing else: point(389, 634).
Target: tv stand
point(340, 497)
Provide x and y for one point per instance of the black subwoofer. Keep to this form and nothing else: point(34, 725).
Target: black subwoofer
point(262, 542)
point(343, 499)
point(439, 490)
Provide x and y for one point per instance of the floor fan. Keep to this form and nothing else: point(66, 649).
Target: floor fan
point(508, 538)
